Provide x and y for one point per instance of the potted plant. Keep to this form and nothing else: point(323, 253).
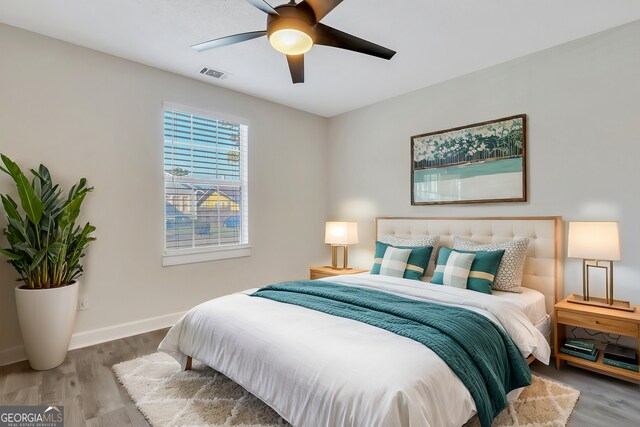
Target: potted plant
point(45, 248)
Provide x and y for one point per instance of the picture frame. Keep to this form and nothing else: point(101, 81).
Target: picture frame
point(478, 163)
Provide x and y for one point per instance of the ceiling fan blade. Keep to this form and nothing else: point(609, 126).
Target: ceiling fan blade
point(263, 6)
point(224, 41)
point(329, 36)
point(321, 7)
point(296, 67)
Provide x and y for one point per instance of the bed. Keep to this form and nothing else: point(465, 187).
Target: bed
point(316, 369)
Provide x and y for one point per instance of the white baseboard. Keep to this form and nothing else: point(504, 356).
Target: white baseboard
point(97, 336)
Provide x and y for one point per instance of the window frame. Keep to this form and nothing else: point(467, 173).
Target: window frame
point(172, 257)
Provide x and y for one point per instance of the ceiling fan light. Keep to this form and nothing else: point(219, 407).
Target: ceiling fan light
point(291, 41)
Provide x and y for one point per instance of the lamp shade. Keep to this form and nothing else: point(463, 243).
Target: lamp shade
point(341, 233)
point(594, 240)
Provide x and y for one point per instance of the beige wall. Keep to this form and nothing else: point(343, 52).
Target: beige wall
point(84, 113)
point(582, 102)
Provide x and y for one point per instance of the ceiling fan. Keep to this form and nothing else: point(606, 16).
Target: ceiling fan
point(293, 29)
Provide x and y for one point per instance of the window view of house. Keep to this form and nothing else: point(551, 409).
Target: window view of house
point(205, 184)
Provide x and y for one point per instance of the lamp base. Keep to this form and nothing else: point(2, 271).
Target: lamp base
point(601, 302)
point(338, 268)
point(334, 257)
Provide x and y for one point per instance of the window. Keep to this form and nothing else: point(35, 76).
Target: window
point(205, 187)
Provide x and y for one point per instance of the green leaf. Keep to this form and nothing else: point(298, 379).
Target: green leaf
point(36, 184)
point(55, 249)
point(71, 211)
point(51, 199)
point(26, 248)
point(19, 227)
point(9, 201)
point(37, 259)
point(10, 207)
point(10, 254)
point(43, 174)
point(76, 189)
point(31, 204)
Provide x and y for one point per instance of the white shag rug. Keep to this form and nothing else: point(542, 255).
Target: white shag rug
point(169, 397)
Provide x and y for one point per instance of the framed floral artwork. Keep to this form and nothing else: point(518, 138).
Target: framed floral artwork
point(479, 163)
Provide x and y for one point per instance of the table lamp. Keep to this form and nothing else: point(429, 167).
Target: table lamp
point(340, 234)
point(598, 244)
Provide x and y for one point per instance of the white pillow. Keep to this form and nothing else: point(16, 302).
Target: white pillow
point(509, 276)
point(394, 262)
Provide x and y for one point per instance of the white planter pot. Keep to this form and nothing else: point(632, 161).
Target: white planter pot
point(47, 318)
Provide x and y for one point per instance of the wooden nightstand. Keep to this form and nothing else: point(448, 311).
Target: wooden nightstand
point(598, 319)
point(320, 272)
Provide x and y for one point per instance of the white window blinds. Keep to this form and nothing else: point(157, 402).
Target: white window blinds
point(205, 183)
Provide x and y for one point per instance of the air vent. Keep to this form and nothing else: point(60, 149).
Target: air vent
point(217, 74)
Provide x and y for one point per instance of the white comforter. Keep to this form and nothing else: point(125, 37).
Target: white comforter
point(318, 370)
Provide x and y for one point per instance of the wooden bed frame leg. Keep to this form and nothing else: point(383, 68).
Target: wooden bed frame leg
point(187, 366)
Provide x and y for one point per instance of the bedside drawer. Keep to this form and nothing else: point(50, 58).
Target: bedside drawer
point(598, 323)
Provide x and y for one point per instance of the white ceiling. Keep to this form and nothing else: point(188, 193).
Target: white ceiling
point(436, 40)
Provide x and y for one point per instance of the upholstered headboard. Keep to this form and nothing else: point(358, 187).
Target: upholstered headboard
point(543, 269)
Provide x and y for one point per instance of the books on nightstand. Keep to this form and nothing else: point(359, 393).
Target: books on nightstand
point(622, 357)
point(581, 349)
point(616, 363)
point(613, 355)
point(581, 346)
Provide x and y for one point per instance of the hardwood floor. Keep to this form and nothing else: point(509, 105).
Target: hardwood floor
point(91, 395)
point(84, 383)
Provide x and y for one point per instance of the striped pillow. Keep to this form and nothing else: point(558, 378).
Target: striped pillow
point(394, 262)
point(416, 264)
point(399, 242)
point(483, 269)
point(455, 271)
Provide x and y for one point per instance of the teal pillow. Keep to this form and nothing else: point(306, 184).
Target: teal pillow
point(416, 264)
point(483, 269)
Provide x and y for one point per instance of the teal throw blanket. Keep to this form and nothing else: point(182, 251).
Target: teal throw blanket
point(480, 352)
